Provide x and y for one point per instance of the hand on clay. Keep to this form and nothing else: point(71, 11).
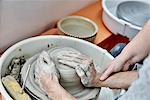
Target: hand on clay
point(50, 83)
point(83, 65)
point(120, 80)
point(44, 64)
point(73, 59)
point(46, 76)
point(88, 74)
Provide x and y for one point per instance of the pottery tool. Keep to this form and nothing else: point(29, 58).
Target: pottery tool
point(23, 86)
point(14, 88)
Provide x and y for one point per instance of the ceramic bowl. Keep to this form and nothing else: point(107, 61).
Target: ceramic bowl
point(115, 24)
point(79, 27)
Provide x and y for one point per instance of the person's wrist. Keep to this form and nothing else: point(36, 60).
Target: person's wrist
point(126, 55)
point(121, 58)
point(56, 94)
point(96, 82)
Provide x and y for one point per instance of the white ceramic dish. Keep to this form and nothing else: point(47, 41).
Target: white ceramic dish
point(116, 25)
point(32, 46)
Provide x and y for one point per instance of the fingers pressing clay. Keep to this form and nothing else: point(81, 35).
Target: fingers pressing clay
point(44, 65)
point(65, 56)
point(74, 59)
point(73, 67)
point(84, 78)
point(69, 63)
point(47, 81)
point(87, 73)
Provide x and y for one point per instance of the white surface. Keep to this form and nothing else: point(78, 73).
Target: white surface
point(20, 19)
point(115, 25)
point(33, 45)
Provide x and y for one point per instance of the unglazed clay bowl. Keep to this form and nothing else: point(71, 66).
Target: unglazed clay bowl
point(79, 27)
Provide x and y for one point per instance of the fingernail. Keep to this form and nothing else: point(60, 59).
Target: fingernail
point(102, 78)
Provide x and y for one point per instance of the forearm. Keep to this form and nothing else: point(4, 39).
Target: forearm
point(140, 45)
point(118, 80)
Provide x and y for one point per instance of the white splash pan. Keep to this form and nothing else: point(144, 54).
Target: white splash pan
point(31, 46)
point(116, 25)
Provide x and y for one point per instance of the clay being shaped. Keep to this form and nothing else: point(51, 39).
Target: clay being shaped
point(83, 65)
point(31, 86)
point(46, 65)
point(88, 75)
point(66, 60)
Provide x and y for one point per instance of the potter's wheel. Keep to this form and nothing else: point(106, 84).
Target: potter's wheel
point(80, 92)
